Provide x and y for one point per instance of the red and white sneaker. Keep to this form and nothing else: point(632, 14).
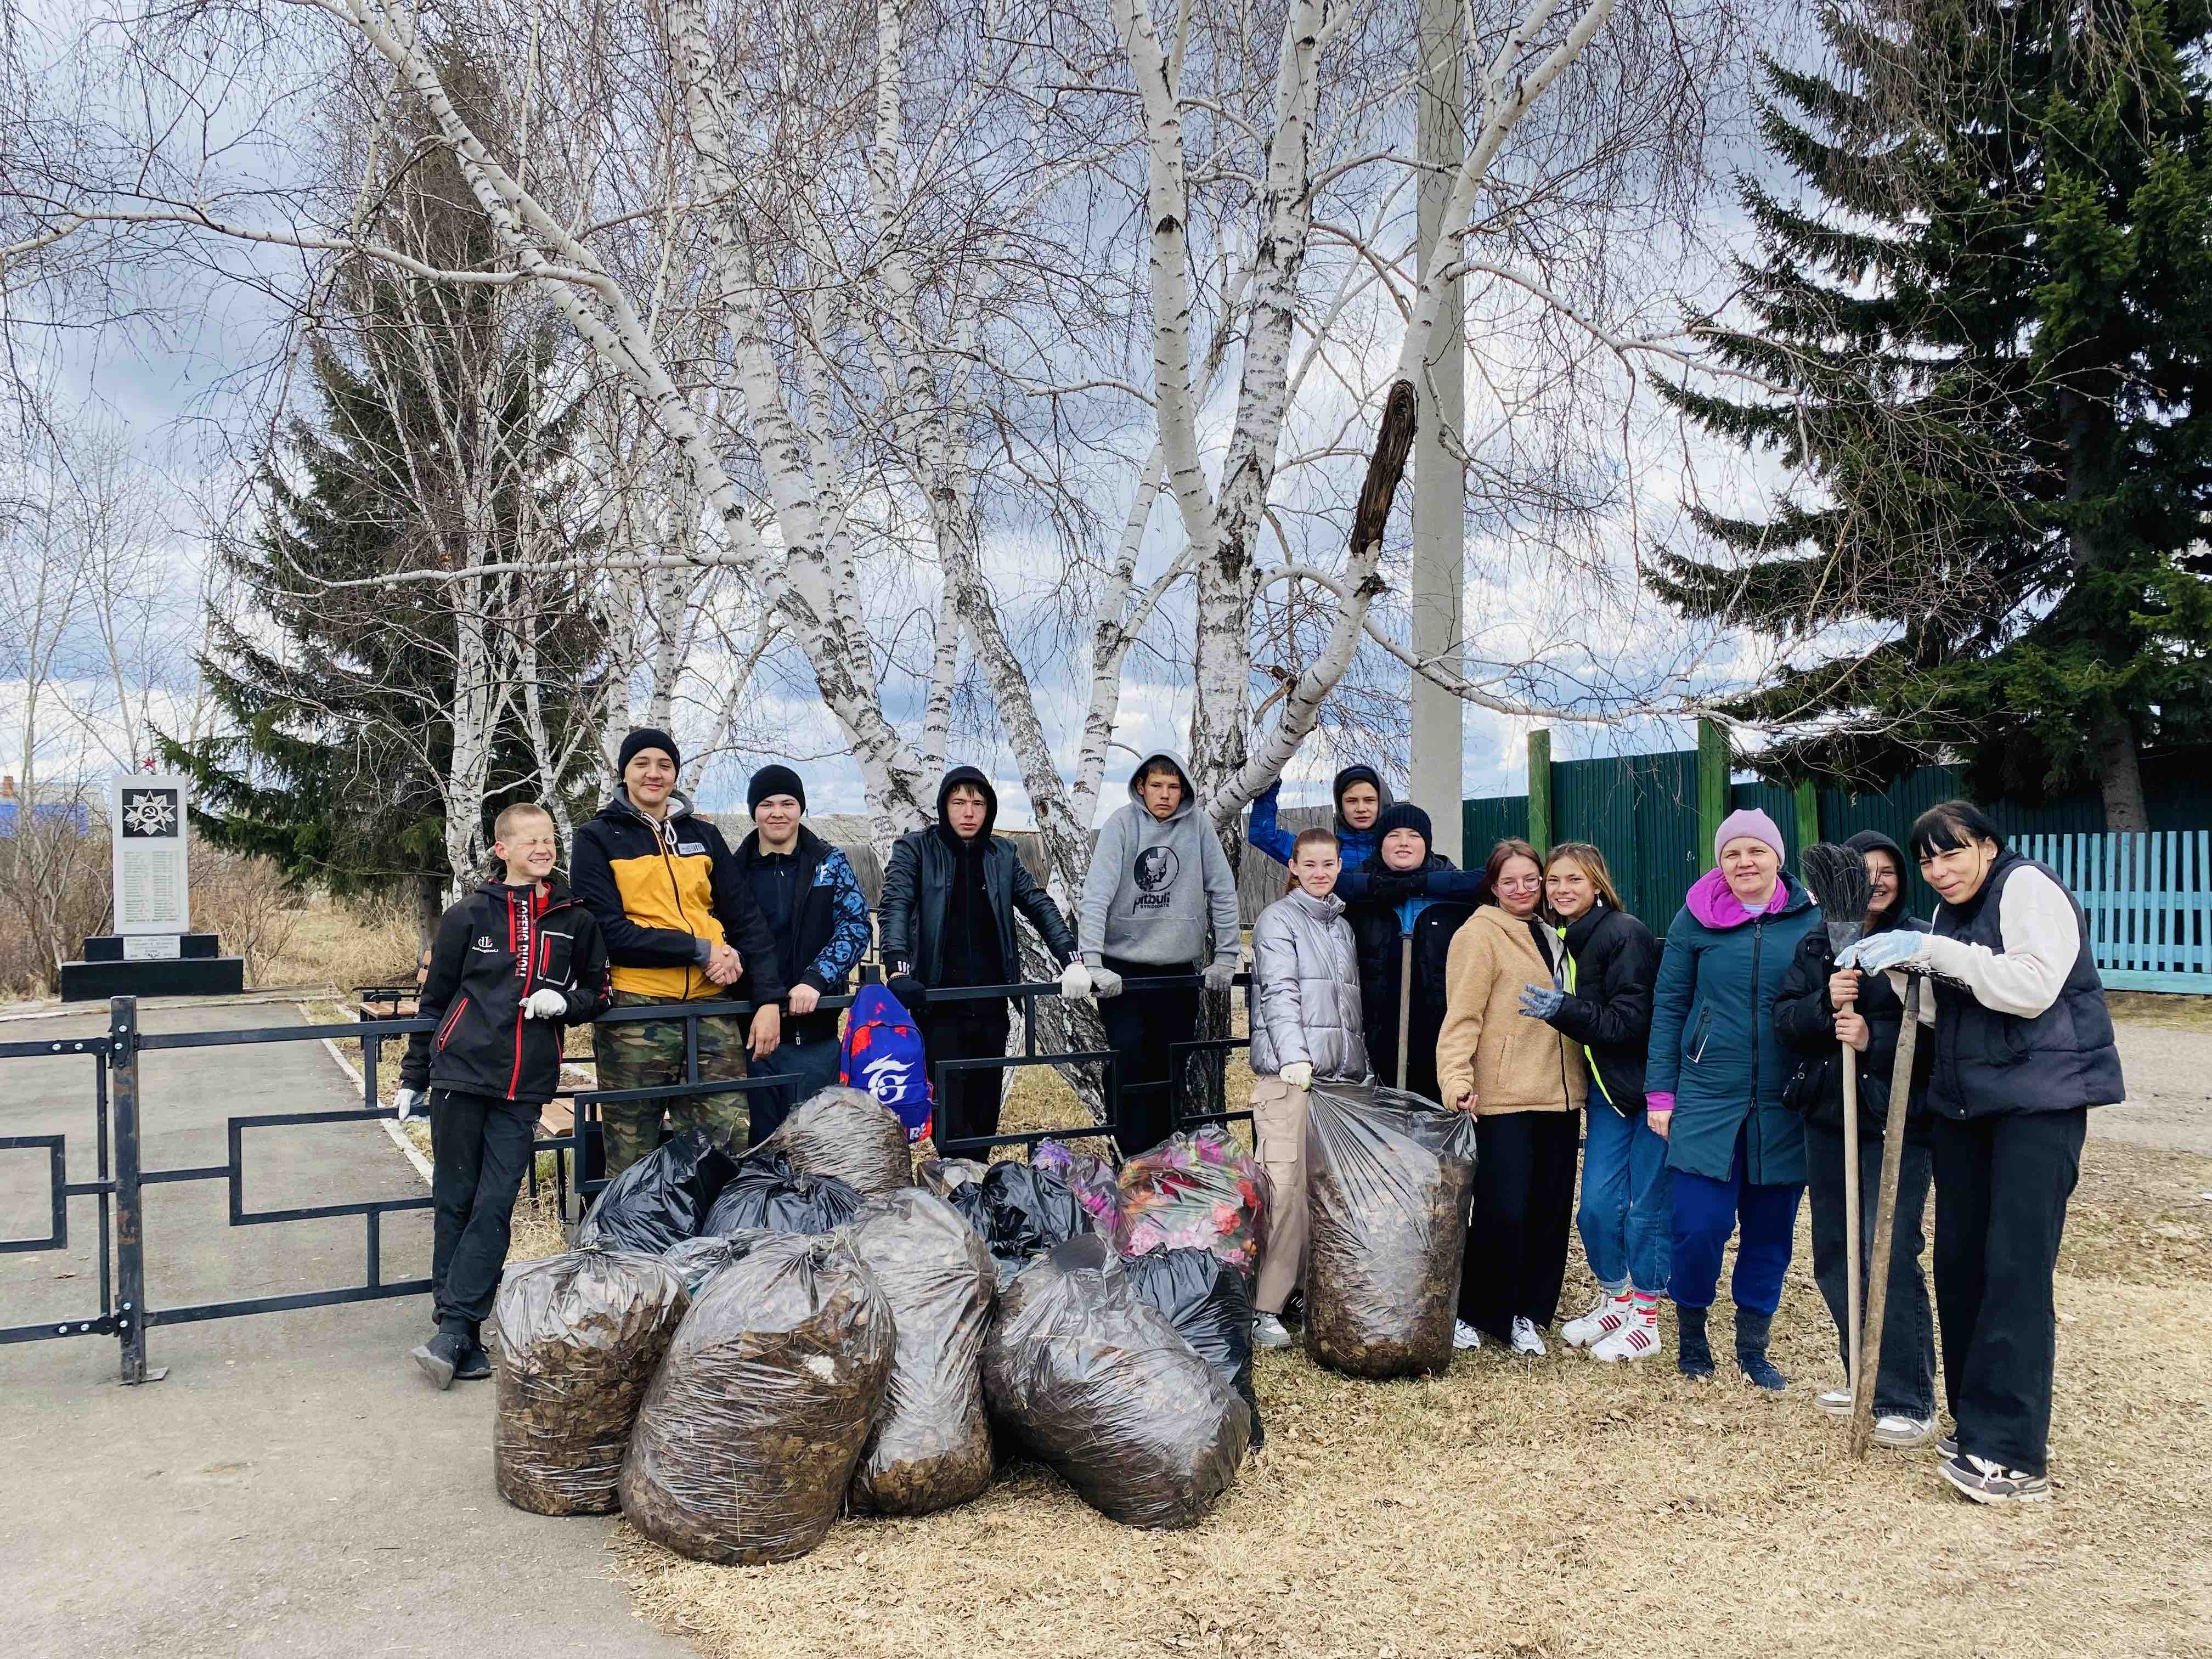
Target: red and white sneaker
point(1607, 1315)
point(1638, 1339)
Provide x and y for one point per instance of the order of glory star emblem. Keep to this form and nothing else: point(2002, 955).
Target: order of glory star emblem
point(149, 814)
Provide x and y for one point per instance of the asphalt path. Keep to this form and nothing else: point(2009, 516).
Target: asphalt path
point(294, 1485)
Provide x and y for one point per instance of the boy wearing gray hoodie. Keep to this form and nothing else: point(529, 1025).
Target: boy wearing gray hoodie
point(1159, 883)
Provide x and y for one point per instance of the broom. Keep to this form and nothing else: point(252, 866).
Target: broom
point(1837, 878)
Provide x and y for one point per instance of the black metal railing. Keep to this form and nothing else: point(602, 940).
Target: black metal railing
point(119, 1104)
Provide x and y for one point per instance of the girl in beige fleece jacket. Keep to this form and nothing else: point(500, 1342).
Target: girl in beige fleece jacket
point(1525, 1083)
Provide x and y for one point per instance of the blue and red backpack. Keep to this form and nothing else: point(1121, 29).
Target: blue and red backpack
point(884, 1054)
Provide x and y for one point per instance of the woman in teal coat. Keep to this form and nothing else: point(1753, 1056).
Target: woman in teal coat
point(1714, 1079)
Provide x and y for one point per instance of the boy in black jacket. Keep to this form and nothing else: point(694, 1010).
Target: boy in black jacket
point(515, 961)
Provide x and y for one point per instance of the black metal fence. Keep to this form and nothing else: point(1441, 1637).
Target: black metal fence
point(119, 1108)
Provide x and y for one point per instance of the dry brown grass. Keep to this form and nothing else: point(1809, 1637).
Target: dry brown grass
point(2176, 1013)
point(1557, 1508)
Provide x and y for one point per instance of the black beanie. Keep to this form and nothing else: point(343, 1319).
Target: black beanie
point(646, 737)
point(1404, 815)
point(775, 781)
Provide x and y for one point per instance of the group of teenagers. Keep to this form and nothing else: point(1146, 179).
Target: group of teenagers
point(1699, 1078)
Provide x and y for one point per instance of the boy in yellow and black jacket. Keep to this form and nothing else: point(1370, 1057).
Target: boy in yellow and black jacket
point(680, 925)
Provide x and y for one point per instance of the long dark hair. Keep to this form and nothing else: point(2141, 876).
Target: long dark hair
point(1949, 826)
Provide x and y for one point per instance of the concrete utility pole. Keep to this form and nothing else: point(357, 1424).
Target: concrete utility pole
point(1439, 481)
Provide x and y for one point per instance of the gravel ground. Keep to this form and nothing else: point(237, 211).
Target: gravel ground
point(2169, 1104)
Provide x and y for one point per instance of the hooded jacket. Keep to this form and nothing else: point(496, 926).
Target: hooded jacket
point(1488, 1046)
point(1714, 1056)
point(492, 950)
point(1380, 931)
point(1155, 885)
point(666, 892)
point(1356, 846)
point(1305, 990)
point(1612, 959)
point(1806, 1021)
point(918, 892)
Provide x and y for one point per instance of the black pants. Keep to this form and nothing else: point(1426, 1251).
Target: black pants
point(1904, 1381)
point(1140, 1028)
point(482, 1150)
point(1524, 1203)
point(2001, 1184)
point(967, 1102)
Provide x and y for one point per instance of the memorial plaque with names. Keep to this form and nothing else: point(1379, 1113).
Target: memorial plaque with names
point(146, 813)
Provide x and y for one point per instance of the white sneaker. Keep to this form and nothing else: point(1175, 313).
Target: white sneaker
point(1527, 1340)
point(1465, 1335)
point(1901, 1433)
point(1607, 1315)
point(1836, 1402)
point(1267, 1331)
point(1638, 1339)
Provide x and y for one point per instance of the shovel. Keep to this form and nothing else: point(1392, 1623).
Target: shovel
point(1405, 1000)
point(1838, 881)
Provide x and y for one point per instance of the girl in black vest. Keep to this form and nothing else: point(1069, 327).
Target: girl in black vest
point(2023, 1048)
point(1818, 1004)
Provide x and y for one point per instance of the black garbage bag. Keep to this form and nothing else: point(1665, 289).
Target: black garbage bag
point(1021, 1211)
point(1204, 1297)
point(848, 1134)
point(700, 1259)
point(767, 1194)
point(661, 1200)
point(942, 1174)
point(747, 1438)
point(1088, 1379)
point(1388, 1178)
point(580, 1336)
point(932, 1446)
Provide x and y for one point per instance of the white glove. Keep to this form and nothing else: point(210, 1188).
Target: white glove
point(409, 1103)
point(1075, 981)
point(1298, 1075)
point(547, 1004)
point(1218, 975)
point(1879, 951)
point(1105, 982)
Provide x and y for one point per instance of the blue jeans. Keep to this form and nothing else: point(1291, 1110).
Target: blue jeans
point(1627, 1213)
point(812, 1067)
point(1707, 1211)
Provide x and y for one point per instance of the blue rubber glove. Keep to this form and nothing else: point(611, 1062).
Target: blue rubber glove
point(1540, 1001)
point(1877, 952)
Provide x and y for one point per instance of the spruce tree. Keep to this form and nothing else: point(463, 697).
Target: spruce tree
point(338, 700)
point(1993, 308)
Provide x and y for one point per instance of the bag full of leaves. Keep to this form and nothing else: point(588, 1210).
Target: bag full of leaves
point(580, 1337)
point(932, 1446)
point(1088, 1379)
point(941, 1174)
point(748, 1435)
point(1208, 1303)
point(1093, 1180)
point(1387, 1176)
point(1199, 1190)
point(699, 1260)
point(768, 1194)
point(848, 1133)
point(661, 1200)
point(1021, 1211)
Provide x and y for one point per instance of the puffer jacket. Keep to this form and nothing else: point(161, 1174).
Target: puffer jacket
point(1488, 1046)
point(1305, 990)
point(1714, 1060)
point(1612, 960)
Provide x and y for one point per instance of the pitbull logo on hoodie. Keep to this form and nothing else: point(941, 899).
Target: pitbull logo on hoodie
point(1156, 869)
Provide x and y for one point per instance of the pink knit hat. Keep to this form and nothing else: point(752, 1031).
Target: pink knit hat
point(1748, 821)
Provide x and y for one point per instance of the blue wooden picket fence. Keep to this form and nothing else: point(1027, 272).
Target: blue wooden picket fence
point(2148, 898)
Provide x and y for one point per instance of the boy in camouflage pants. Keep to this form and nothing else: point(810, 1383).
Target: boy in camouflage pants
point(680, 925)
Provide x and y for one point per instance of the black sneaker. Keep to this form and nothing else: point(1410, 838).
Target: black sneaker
point(441, 1357)
point(474, 1364)
point(1992, 1483)
point(1294, 1311)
